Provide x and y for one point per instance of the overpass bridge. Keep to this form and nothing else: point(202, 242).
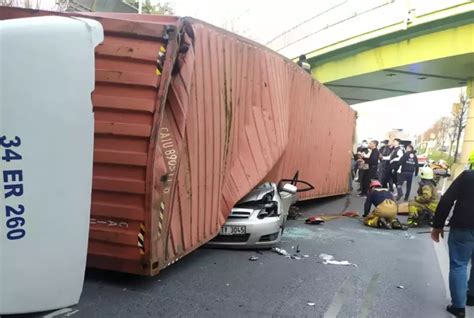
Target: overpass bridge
point(386, 48)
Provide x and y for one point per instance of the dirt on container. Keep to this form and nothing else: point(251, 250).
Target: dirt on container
point(188, 119)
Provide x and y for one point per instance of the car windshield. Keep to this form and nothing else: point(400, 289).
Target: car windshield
point(258, 197)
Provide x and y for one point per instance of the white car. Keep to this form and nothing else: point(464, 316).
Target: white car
point(258, 219)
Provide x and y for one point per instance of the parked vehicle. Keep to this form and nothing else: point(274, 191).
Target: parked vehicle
point(422, 159)
point(422, 154)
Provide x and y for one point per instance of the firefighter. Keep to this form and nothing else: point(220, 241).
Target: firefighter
point(426, 201)
point(385, 213)
point(408, 167)
point(471, 161)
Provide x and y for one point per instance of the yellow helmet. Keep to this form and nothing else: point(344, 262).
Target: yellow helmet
point(471, 158)
point(426, 173)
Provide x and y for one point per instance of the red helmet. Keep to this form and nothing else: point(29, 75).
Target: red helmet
point(375, 183)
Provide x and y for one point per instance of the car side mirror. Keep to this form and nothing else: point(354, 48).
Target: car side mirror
point(290, 188)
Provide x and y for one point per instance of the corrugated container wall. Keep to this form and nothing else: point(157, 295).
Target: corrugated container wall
point(321, 137)
point(188, 119)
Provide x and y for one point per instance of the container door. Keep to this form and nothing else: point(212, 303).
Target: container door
point(46, 149)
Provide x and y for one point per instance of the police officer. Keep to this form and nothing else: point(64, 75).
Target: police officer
point(391, 157)
point(395, 156)
point(408, 167)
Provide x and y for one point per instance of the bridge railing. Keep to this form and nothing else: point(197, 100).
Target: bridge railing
point(349, 21)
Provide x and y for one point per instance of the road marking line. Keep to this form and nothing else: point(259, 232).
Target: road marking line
point(58, 312)
point(369, 296)
point(346, 290)
point(442, 255)
point(72, 313)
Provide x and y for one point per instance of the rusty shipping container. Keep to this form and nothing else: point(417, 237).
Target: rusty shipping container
point(188, 119)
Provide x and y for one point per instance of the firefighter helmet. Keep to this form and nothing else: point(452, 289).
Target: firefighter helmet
point(426, 173)
point(375, 184)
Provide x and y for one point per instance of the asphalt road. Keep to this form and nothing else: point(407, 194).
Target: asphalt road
point(224, 283)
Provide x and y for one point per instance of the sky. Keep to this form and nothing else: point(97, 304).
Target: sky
point(259, 20)
point(413, 113)
point(262, 20)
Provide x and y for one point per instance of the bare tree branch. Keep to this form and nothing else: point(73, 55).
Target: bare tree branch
point(58, 5)
point(460, 120)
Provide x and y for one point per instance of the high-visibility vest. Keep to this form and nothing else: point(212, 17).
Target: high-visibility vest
point(471, 161)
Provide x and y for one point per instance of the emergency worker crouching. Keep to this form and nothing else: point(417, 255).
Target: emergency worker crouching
point(386, 209)
point(425, 203)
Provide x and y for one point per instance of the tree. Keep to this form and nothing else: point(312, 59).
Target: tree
point(29, 4)
point(444, 130)
point(58, 5)
point(235, 24)
point(440, 131)
point(452, 139)
point(459, 120)
point(443, 127)
point(162, 8)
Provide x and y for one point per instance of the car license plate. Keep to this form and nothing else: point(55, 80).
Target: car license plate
point(233, 230)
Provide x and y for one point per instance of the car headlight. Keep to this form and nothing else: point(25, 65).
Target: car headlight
point(269, 210)
point(268, 197)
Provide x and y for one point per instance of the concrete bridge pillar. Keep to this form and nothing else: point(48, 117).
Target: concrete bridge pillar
point(468, 143)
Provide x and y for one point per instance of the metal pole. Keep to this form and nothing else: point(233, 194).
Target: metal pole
point(140, 6)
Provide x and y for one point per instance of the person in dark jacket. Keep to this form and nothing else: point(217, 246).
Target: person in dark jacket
point(383, 164)
point(362, 166)
point(363, 146)
point(460, 241)
point(390, 158)
point(408, 167)
point(386, 209)
point(372, 162)
point(385, 178)
point(303, 63)
point(357, 157)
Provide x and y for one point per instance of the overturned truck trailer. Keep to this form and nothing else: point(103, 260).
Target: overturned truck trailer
point(188, 119)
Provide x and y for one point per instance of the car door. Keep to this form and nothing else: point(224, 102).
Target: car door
point(288, 198)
